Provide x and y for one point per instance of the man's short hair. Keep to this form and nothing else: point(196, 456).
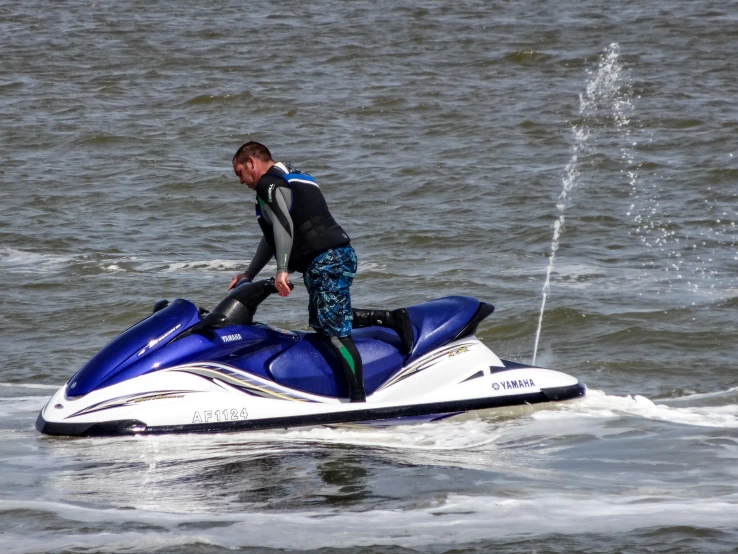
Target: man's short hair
point(253, 149)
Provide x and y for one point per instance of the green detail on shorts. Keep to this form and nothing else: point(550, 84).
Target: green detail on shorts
point(348, 358)
point(261, 202)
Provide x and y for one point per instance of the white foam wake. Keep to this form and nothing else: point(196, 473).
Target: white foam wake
point(439, 436)
point(598, 404)
point(29, 386)
point(14, 260)
point(25, 261)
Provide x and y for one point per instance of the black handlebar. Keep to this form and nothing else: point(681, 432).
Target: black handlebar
point(238, 308)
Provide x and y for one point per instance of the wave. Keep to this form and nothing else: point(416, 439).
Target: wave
point(14, 85)
point(29, 386)
point(24, 261)
point(165, 266)
point(457, 519)
point(598, 404)
point(217, 265)
point(527, 57)
point(204, 99)
point(21, 406)
point(99, 139)
point(689, 396)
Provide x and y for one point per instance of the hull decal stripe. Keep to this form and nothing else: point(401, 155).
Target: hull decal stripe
point(130, 399)
point(423, 364)
point(477, 375)
point(240, 380)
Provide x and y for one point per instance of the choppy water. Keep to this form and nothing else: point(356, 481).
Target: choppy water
point(443, 134)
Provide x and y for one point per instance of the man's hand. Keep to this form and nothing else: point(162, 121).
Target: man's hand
point(237, 278)
point(281, 283)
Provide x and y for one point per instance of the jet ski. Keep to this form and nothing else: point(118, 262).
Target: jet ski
point(184, 369)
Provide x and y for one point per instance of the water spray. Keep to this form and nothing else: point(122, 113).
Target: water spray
point(605, 93)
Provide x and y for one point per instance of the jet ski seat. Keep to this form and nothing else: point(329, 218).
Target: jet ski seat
point(308, 364)
point(444, 320)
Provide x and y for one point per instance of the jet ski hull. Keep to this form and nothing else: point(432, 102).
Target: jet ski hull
point(215, 397)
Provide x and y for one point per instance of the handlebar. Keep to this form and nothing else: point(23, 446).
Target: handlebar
point(269, 286)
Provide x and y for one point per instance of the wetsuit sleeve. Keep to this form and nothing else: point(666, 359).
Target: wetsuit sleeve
point(275, 200)
point(261, 258)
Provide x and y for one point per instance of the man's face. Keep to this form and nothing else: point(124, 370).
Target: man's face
point(246, 173)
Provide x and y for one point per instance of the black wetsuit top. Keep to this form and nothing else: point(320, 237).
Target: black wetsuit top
point(295, 219)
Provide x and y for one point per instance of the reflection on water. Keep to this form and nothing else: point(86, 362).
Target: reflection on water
point(346, 480)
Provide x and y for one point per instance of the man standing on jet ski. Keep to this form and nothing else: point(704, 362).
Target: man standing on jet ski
point(301, 234)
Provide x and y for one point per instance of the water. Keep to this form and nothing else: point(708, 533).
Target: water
point(440, 134)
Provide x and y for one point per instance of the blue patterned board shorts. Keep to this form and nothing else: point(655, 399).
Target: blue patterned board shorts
point(327, 280)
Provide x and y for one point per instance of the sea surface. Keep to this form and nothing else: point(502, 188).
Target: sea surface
point(451, 139)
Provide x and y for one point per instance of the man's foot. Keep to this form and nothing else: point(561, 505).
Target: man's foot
point(399, 322)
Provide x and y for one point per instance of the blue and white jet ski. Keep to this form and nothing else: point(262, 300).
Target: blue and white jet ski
point(185, 370)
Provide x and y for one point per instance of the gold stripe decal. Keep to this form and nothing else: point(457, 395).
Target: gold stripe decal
point(129, 399)
point(425, 363)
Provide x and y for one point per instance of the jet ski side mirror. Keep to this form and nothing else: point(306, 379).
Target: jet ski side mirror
point(213, 320)
point(160, 305)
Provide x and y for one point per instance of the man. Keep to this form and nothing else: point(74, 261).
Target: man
point(301, 234)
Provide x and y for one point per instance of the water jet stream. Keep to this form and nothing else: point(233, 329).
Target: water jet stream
point(604, 95)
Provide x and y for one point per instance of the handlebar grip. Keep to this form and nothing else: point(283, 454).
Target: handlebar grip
point(269, 286)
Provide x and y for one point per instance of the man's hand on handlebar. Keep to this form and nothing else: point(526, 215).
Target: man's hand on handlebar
point(282, 284)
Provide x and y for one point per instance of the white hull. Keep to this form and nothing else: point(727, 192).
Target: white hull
point(212, 397)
